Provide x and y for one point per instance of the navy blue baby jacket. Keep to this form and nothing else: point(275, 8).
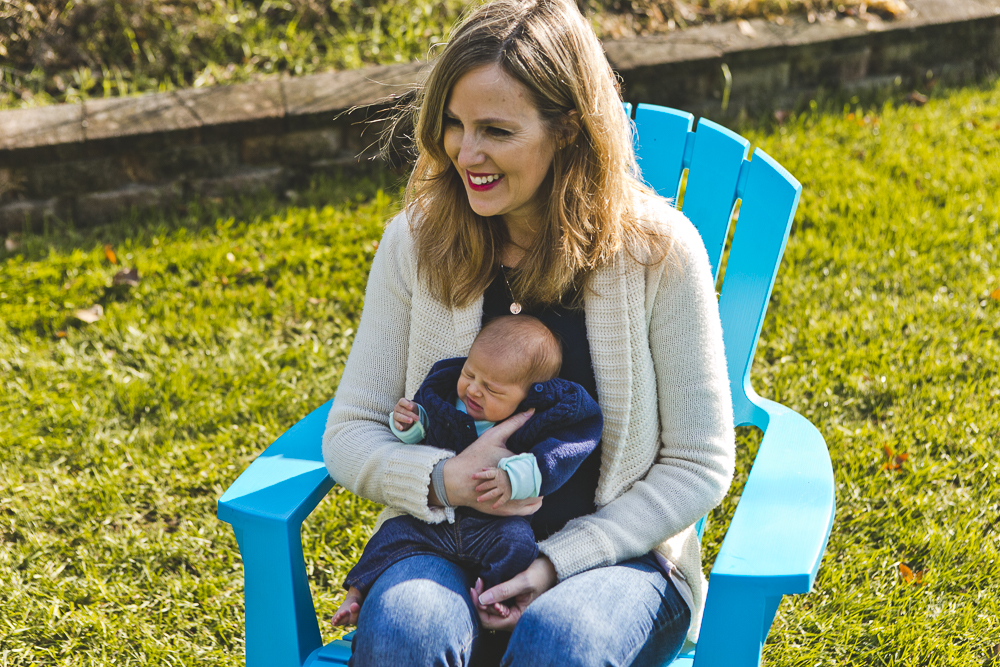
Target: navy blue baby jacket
point(565, 428)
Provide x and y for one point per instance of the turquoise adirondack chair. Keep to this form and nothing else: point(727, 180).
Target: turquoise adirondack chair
point(778, 534)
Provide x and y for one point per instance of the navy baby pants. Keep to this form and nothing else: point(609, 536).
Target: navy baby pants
point(496, 547)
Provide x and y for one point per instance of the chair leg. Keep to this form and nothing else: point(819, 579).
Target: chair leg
point(731, 627)
point(770, 609)
point(281, 628)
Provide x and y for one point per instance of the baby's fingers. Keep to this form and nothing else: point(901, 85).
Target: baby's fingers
point(485, 473)
point(490, 495)
point(503, 499)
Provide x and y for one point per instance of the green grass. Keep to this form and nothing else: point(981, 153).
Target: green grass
point(56, 51)
point(116, 440)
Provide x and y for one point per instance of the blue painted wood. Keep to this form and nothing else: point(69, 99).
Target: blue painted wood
point(779, 530)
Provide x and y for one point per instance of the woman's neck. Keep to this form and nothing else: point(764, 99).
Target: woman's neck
point(521, 235)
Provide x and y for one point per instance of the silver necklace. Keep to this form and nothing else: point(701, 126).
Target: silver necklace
point(515, 307)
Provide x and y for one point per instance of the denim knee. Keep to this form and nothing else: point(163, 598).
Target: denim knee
point(416, 621)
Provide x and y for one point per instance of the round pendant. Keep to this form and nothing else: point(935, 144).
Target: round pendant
point(515, 308)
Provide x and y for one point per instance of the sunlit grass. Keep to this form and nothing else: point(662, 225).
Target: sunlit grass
point(117, 438)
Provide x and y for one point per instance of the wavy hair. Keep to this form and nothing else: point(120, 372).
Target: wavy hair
point(549, 48)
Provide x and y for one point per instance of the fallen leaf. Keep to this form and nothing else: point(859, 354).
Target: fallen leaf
point(11, 244)
point(130, 278)
point(995, 294)
point(90, 315)
point(781, 115)
point(917, 99)
point(746, 28)
point(911, 577)
point(60, 334)
point(110, 254)
point(313, 300)
point(895, 460)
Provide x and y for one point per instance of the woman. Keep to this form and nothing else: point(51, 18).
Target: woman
point(524, 196)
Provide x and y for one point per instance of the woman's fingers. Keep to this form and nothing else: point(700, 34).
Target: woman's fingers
point(506, 428)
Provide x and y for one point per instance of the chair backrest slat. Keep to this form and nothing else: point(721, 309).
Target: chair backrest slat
point(719, 174)
point(661, 137)
point(768, 206)
point(711, 184)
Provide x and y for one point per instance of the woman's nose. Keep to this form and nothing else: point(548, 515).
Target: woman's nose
point(470, 153)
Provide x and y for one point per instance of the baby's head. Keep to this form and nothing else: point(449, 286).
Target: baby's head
point(510, 354)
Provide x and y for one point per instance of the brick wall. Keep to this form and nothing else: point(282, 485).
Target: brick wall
point(90, 162)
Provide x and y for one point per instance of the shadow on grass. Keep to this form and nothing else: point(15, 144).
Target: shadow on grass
point(204, 215)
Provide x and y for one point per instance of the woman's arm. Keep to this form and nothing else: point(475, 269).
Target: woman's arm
point(360, 451)
point(694, 466)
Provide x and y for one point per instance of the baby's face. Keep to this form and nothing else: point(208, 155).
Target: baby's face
point(489, 391)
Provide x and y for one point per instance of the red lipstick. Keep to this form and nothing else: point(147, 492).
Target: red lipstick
point(485, 186)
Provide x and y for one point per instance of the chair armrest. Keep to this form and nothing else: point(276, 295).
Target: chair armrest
point(783, 519)
point(284, 483)
point(266, 506)
point(775, 542)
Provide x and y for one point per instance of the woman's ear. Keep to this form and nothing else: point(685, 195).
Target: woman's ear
point(570, 129)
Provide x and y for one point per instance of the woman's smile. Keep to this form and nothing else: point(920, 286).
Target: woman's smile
point(482, 182)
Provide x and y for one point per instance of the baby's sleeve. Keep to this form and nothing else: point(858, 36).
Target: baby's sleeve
point(416, 433)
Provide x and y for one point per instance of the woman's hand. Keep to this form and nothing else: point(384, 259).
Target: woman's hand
point(523, 588)
point(486, 452)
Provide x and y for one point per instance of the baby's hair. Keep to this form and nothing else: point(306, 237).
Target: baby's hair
point(524, 341)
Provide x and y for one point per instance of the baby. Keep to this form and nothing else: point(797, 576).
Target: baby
point(512, 366)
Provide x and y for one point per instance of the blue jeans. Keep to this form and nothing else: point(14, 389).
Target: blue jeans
point(498, 548)
point(419, 613)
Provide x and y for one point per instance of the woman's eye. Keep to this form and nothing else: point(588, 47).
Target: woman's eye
point(451, 122)
point(498, 132)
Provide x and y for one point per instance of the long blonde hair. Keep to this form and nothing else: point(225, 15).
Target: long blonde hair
point(548, 47)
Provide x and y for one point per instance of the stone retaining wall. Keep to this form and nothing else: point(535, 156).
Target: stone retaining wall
point(89, 162)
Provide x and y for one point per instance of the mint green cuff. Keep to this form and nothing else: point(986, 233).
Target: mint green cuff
point(525, 477)
point(416, 433)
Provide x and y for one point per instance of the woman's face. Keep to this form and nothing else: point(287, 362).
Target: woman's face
point(499, 144)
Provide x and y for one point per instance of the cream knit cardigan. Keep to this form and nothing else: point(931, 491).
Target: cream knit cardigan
point(667, 451)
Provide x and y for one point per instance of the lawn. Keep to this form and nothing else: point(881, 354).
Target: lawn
point(118, 435)
point(56, 51)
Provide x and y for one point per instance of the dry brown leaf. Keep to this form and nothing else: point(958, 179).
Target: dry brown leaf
point(995, 294)
point(90, 315)
point(917, 99)
point(911, 577)
point(60, 334)
point(895, 461)
point(130, 278)
point(11, 244)
point(110, 253)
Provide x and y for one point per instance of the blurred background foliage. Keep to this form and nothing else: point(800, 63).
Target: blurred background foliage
point(58, 51)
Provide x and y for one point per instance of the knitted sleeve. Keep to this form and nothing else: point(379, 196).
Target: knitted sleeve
point(694, 466)
point(360, 451)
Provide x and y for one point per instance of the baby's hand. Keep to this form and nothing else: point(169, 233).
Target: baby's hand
point(405, 414)
point(497, 485)
point(347, 613)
